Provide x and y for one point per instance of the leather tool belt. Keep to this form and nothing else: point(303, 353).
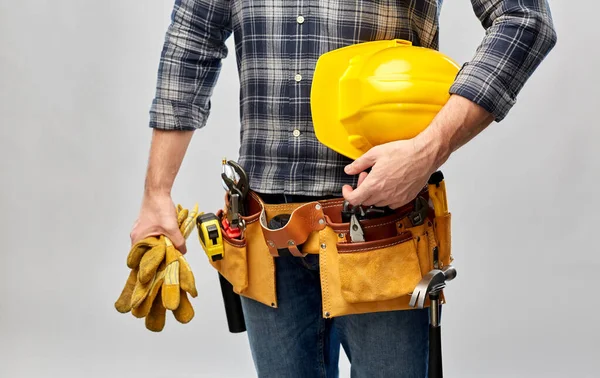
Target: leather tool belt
point(378, 274)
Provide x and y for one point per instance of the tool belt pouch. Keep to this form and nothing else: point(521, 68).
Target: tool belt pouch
point(356, 277)
point(234, 264)
point(247, 263)
point(379, 274)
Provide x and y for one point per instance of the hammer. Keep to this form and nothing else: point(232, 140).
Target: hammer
point(432, 284)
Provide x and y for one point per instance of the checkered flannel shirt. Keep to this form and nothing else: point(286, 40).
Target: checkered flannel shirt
point(277, 44)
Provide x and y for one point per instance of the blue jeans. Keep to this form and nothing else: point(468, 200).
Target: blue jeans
point(295, 341)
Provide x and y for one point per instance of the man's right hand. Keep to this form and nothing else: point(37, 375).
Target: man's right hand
point(158, 216)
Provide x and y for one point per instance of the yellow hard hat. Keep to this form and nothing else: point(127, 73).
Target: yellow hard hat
point(376, 92)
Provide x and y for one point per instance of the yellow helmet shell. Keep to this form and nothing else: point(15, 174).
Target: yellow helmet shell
point(377, 92)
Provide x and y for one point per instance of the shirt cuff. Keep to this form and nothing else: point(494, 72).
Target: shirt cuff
point(479, 83)
point(172, 115)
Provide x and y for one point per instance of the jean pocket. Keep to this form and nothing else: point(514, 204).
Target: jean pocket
point(378, 270)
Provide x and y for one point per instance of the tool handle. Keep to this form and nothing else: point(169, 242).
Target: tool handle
point(233, 307)
point(435, 352)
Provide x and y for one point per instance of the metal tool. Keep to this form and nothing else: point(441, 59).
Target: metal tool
point(419, 214)
point(229, 172)
point(370, 212)
point(432, 285)
point(235, 180)
point(357, 234)
point(348, 210)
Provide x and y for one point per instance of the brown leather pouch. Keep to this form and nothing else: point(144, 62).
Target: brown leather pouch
point(234, 264)
point(377, 275)
point(247, 263)
point(359, 277)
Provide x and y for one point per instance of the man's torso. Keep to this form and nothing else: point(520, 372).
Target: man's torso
point(277, 44)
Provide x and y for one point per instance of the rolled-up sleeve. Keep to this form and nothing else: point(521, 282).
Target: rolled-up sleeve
point(519, 35)
point(190, 64)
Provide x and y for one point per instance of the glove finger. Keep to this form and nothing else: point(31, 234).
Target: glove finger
point(182, 216)
point(145, 304)
point(150, 262)
point(186, 278)
point(143, 290)
point(139, 249)
point(188, 225)
point(140, 292)
point(171, 253)
point(185, 312)
point(155, 321)
point(170, 286)
point(123, 303)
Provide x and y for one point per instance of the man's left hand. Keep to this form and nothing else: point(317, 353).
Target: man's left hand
point(399, 171)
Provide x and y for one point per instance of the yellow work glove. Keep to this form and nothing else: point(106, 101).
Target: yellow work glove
point(160, 278)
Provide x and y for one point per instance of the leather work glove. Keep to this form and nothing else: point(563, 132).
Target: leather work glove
point(160, 278)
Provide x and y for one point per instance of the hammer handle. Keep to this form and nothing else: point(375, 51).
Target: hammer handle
point(233, 307)
point(435, 352)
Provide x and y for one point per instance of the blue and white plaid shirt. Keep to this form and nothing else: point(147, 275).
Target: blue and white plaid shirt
point(277, 44)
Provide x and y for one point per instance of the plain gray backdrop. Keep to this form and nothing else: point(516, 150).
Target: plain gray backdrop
point(76, 82)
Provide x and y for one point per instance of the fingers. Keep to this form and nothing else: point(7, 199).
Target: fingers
point(178, 240)
point(361, 178)
point(138, 250)
point(136, 236)
point(363, 162)
point(361, 195)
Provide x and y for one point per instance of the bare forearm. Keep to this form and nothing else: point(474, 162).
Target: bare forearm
point(459, 121)
point(167, 151)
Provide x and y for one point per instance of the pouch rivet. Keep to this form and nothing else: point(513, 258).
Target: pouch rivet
point(271, 243)
point(318, 206)
point(327, 314)
point(272, 304)
point(341, 236)
point(321, 221)
point(290, 242)
point(323, 245)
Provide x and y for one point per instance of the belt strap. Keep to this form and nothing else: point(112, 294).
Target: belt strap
point(304, 219)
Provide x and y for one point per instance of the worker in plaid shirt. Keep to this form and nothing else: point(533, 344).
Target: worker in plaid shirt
point(277, 44)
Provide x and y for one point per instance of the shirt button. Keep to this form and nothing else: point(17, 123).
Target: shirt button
point(296, 132)
point(300, 19)
point(298, 77)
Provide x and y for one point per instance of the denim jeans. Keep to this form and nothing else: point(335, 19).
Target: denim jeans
point(295, 341)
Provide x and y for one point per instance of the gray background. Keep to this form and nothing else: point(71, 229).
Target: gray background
point(76, 81)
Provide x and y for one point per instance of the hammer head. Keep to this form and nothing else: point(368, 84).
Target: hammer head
point(432, 282)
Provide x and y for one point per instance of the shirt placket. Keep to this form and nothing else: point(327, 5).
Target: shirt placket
point(296, 27)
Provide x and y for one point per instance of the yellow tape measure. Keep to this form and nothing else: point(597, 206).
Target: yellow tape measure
point(211, 238)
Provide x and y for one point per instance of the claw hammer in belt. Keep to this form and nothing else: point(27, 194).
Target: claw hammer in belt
point(432, 285)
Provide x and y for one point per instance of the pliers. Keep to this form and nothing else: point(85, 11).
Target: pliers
point(237, 187)
point(357, 233)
